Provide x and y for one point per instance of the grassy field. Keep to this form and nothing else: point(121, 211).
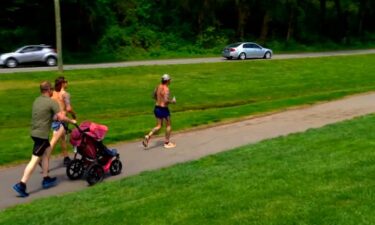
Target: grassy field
point(320, 177)
point(206, 94)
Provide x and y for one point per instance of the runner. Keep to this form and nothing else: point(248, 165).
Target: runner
point(44, 111)
point(161, 111)
point(62, 97)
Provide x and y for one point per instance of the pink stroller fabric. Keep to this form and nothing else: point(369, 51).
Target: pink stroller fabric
point(94, 130)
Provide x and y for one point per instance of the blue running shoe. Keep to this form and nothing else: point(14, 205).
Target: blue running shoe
point(21, 190)
point(49, 182)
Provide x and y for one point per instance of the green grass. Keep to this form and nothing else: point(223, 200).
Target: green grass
point(320, 177)
point(206, 94)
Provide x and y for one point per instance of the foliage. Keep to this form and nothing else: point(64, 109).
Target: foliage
point(117, 30)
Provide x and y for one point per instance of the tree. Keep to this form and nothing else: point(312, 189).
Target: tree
point(342, 21)
point(322, 16)
point(243, 10)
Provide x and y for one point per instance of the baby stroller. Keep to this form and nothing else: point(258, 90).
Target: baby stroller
point(92, 158)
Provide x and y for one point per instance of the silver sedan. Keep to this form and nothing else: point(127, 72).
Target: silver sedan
point(245, 50)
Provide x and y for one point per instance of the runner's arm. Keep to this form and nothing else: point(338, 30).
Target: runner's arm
point(61, 116)
point(166, 97)
point(68, 106)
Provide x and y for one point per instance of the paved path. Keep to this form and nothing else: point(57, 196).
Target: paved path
point(186, 61)
point(195, 144)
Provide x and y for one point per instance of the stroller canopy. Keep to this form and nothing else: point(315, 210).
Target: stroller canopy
point(94, 130)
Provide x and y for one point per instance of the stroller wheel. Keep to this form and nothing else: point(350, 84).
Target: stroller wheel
point(116, 167)
point(94, 174)
point(75, 169)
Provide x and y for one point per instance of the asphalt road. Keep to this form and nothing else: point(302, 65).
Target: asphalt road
point(184, 61)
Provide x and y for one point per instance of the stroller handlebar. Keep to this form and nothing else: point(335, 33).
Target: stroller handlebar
point(79, 129)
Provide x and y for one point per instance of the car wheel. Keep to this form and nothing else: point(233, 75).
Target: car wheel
point(11, 63)
point(51, 61)
point(229, 58)
point(267, 55)
point(242, 56)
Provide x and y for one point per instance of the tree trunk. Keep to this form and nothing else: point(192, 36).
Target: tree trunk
point(290, 25)
point(323, 7)
point(80, 15)
point(203, 14)
point(266, 19)
point(243, 13)
point(361, 15)
point(341, 21)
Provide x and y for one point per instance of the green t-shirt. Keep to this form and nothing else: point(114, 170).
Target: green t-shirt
point(44, 109)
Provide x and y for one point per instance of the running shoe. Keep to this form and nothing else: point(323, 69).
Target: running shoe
point(145, 141)
point(49, 182)
point(21, 190)
point(169, 145)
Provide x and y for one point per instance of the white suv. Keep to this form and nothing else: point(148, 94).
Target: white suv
point(29, 54)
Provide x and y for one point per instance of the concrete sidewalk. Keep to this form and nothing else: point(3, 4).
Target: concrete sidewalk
point(194, 145)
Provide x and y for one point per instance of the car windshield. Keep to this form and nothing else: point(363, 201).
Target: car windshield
point(234, 45)
point(19, 49)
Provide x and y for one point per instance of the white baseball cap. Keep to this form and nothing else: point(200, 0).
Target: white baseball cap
point(165, 77)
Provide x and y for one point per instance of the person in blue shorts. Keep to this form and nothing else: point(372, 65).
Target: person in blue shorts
point(44, 111)
point(59, 128)
point(161, 112)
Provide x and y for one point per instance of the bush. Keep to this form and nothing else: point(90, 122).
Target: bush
point(211, 38)
point(20, 35)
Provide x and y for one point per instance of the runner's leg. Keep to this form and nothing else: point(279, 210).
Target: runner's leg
point(55, 137)
point(45, 161)
point(64, 146)
point(168, 129)
point(159, 123)
point(30, 168)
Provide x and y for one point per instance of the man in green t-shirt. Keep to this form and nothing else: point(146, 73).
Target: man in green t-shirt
point(44, 111)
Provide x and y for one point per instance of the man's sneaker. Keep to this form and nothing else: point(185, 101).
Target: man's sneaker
point(20, 189)
point(169, 145)
point(145, 141)
point(67, 161)
point(49, 182)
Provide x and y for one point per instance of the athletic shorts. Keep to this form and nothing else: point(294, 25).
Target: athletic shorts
point(40, 146)
point(161, 112)
point(57, 124)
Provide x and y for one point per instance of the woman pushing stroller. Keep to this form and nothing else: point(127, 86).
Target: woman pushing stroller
point(62, 97)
